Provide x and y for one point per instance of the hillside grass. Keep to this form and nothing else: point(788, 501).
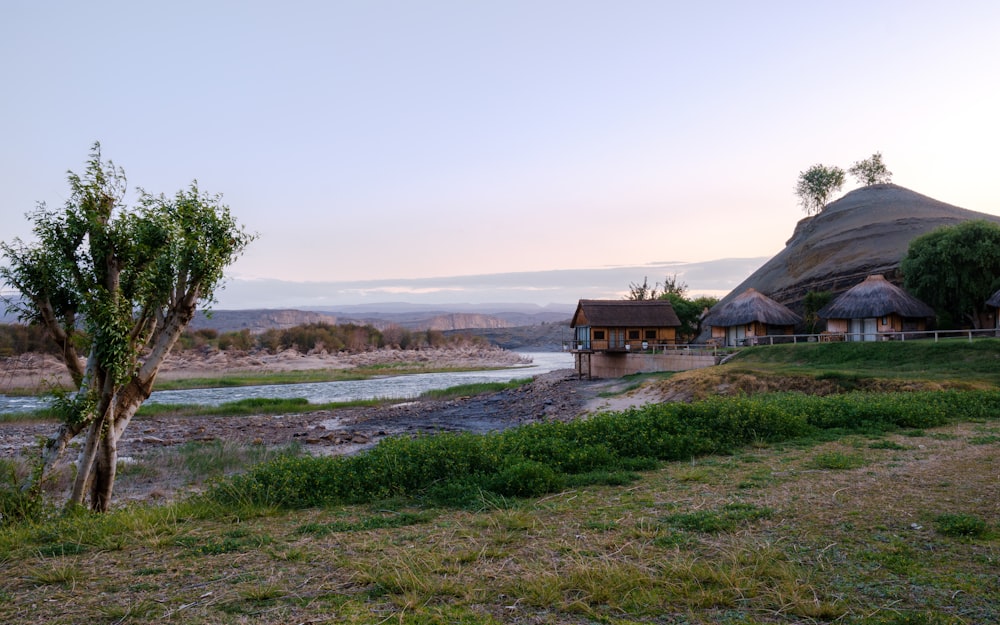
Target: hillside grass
point(866, 508)
point(953, 360)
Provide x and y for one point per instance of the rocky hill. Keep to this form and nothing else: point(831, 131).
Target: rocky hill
point(865, 232)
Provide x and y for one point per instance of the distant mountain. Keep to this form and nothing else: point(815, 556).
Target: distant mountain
point(868, 231)
point(547, 337)
point(257, 321)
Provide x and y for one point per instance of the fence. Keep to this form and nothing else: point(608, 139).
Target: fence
point(785, 339)
point(835, 337)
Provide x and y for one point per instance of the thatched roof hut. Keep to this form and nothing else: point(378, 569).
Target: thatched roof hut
point(994, 300)
point(750, 306)
point(875, 297)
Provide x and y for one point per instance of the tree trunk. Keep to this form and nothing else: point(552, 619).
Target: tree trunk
point(85, 467)
point(124, 406)
point(103, 482)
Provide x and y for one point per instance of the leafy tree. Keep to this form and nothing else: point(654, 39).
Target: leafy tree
point(689, 312)
point(816, 185)
point(871, 171)
point(120, 284)
point(811, 304)
point(955, 269)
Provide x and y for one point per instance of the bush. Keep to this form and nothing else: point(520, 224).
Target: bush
point(526, 478)
point(17, 506)
point(965, 525)
point(538, 458)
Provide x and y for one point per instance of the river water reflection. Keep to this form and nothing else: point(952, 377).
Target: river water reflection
point(392, 387)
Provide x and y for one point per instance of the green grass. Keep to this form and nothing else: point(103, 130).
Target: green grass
point(952, 360)
point(255, 406)
point(770, 509)
point(465, 390)
point(312, 375)
point(457, 469)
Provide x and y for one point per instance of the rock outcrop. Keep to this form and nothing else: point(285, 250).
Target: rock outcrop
point(868, 231)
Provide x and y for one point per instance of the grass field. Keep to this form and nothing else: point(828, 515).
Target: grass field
point(871, 508)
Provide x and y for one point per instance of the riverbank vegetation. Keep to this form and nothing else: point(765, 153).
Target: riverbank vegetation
point(874, 508)
point(17, 339)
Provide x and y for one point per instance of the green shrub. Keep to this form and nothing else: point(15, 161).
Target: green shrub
point(965, 525)
point(526, 478)
point(466, 468)
point(17, 505)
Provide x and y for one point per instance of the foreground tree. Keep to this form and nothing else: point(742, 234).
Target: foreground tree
point(871, 171)
point(816, 185)
point(120, 285)
point(955, 269)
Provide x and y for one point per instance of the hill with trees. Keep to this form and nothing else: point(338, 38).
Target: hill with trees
point(867, 231)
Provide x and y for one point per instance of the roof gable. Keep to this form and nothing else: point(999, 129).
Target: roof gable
point(994, 300)
point(625, 313)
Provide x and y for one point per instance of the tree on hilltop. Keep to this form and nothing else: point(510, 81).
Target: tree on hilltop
point(871, 171)
point(816, 185)
point(119, 284)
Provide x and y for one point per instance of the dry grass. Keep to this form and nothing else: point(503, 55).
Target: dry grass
point(836, 544)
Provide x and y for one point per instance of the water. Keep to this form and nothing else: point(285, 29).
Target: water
point(394, 387)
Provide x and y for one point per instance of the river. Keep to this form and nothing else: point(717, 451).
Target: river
point(390, 387)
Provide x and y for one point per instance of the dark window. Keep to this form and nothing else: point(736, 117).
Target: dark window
point(650, 334)
point(598, 335)
point(633, 334)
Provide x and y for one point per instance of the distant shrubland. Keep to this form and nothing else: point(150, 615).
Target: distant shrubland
point(313, 337)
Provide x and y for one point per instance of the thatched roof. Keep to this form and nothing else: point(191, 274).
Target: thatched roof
point(749, 306)
point(875, 297)
point(994, 300)
point(619, 313)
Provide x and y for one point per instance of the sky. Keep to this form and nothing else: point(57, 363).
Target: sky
point(405, 149)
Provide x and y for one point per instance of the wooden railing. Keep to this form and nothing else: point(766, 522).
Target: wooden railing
point(785, 339)
point(641, 347)
point(834, 337)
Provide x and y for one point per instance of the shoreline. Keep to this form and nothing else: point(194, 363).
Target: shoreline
point(34, 374)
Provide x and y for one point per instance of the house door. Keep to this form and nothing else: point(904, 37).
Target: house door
point(735, 335)
point(871, 329)
point(854, 330)
point(617, 339)
point(583, 337)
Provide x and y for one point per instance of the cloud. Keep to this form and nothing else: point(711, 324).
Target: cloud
point(559, 287)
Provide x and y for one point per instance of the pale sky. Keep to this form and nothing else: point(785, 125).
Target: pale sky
point(379, 141)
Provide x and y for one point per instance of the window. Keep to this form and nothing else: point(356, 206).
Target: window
point(650, 334)
point(633, 335)
point(598, 335)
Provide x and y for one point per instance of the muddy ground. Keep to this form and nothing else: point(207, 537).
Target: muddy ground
point(557, 395)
